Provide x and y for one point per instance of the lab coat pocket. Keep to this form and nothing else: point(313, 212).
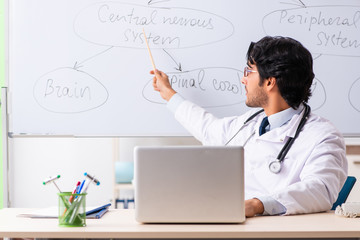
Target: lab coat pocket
point(266, 178)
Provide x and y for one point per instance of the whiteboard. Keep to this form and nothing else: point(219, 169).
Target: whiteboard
point(81, 67)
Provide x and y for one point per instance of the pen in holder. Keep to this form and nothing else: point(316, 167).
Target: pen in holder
point(72, 213)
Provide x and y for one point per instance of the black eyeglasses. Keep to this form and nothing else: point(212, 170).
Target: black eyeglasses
point(247, 71)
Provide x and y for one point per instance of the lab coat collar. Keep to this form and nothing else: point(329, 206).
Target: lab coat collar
point(278, 119)
point(288, 129)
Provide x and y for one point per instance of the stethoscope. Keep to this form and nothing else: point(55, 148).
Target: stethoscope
point(275, 166)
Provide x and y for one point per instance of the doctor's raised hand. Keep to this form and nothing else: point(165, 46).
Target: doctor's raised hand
point(162, 85)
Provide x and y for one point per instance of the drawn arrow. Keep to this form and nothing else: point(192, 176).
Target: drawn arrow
point(78, 65)
point(314, 58)
point(296, 3)
point(315, 85)
point(301, 2)
point(178, 68)
point(151, 2)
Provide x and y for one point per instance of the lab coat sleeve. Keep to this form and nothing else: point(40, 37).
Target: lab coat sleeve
point(321, 178)
point(271, 206)
point(204, 126)
point(174, 102)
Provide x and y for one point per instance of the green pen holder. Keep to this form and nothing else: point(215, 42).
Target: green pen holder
point(72, 209)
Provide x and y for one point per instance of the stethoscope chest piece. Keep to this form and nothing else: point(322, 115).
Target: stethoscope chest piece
point(275, 166)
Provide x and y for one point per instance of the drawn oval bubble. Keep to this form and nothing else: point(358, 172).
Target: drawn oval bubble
point(207, 87)
point(67, 90)
point(121, 25)
point(318, 97)
point(329, 30)
point(354, 98)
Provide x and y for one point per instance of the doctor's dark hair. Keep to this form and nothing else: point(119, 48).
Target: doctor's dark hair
point(289, 62)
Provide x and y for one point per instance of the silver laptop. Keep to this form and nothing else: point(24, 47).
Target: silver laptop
point(189, 184)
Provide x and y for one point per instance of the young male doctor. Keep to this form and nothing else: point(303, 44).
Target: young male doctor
point(277, 79)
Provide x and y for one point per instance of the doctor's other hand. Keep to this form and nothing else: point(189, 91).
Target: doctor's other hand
point(162, 85)
point(253, 207)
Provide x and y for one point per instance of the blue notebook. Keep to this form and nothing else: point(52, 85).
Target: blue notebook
point(98, 212)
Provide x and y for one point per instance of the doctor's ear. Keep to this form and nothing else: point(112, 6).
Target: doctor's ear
point(271, 81)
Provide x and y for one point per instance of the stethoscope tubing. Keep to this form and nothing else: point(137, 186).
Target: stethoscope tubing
point(291, 140)
point(275, 166)
point(244, 124)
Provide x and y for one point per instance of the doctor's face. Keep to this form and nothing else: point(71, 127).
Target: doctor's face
point(255, 94)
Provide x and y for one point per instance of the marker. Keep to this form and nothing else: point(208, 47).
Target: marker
point(52, 179)
point(101, 213)
point(148, 48)
point(84, 190)
point(97, 182)
point(81, 186)
point(71, 199)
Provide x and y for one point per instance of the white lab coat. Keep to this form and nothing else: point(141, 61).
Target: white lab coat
point(313, 171)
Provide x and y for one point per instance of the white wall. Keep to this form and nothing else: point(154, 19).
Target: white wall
point(354, 170)
point(34, 159)
point(126, 145)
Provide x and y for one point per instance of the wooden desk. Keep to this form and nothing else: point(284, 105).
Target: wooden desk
point(121, 224)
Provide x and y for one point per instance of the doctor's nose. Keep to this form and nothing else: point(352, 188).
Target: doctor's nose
point(243, 80)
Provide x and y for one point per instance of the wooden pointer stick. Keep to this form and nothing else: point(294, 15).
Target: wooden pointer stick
point(147, 45)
